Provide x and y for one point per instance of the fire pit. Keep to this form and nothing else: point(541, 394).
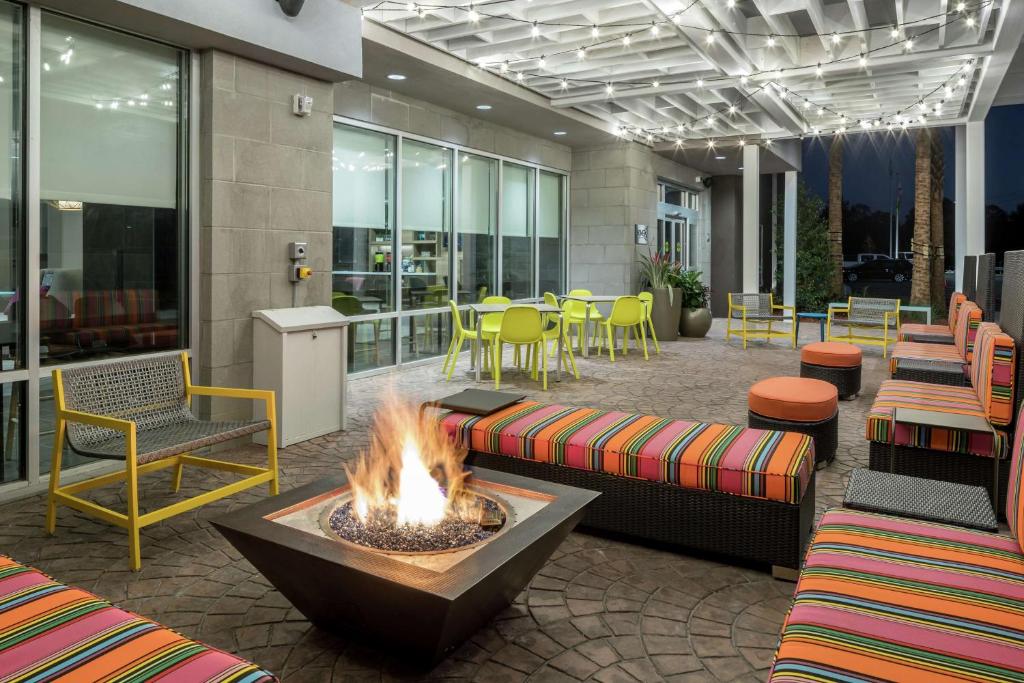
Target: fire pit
point(409, 550)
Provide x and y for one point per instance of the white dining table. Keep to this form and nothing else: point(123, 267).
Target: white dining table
point(481, 309)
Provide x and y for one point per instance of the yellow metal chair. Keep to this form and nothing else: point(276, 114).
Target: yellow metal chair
point(522, 326)
point(648, 301)
point(575, 313)
point(459, 336)
point(139, 411)
point(628, 314)
point(862, 315)
point(556, 330)
point(756, 313)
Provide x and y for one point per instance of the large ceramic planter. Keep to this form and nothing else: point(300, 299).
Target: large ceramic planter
point(695, 322)
point(665, 313)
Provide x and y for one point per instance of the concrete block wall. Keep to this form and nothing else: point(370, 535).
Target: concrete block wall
point(613, 187)
point(363, 102)
point(266, 181)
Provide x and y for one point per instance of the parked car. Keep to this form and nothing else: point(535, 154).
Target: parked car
point(887, 269)
point(905, 255)
point(863, 258)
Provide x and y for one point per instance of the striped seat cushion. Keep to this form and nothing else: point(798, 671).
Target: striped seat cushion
point(747, 462)
point(1015, 491)
point(992, 372)
point(935, 334)
point(50, 631)
point(888, 599)
point(921, 351)
point(933, 397)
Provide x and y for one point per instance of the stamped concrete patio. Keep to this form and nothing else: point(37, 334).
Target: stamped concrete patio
point(601, 609)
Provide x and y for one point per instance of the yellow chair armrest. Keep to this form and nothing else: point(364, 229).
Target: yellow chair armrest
point(231, 392)
point(738, 307)
point(105, 421)
point(783, 307)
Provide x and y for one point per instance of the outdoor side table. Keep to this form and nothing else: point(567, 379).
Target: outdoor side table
point(820, 317)
point(929, 418)
point(926, 499)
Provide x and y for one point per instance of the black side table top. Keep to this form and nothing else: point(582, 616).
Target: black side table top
point(924, 499)
point(475, 401)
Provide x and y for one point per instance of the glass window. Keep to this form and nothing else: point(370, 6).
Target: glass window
point(517, 231)
point(371, 344)
point(364, 214)
point(12, 412)
point(551, 231)
point(426, 335)
point(426, 223)
point(112, 233)
point(477, 226)
point(11, 223)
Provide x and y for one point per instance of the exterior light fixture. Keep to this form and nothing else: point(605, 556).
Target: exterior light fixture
point(291, 7)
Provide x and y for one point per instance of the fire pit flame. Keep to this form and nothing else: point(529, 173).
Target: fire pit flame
point(412, 472)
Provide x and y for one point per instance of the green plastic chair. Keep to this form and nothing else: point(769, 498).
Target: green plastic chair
point(459, 336)
point(522, 326)
point(627, 313)
point(648, 301)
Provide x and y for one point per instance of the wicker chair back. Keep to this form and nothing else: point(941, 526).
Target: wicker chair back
point(868, 311)
point(757, 305)
point(970, 287)
point(149, 392)
point(986, 295)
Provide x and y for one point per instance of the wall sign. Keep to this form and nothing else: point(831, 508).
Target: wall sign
point(641, 233)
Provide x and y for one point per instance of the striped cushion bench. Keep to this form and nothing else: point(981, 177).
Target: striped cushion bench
point(51, 631)
point(882, 598)
point(935, 334)
point(961, 352)
point(714, 457)
point(730, 490)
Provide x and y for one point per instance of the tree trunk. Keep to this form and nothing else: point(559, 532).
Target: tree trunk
point(835, 211)
point(938, 235)
point(920, 286)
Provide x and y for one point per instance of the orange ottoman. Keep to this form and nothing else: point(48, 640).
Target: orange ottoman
point(837, 363)
point(798, 404)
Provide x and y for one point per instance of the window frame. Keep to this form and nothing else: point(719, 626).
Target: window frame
point(456, 150)
point(188, 178)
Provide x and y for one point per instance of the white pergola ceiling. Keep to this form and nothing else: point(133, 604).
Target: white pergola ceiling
point(677, 77)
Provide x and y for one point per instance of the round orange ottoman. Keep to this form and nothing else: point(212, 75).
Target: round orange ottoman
point(798, 404)
point(838, 363)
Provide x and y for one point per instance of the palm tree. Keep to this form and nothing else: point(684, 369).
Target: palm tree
point(920, 286)
point(938, 233)
point(835, 211)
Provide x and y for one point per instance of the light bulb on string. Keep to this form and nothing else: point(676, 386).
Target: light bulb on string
point(710, 38)
point(626, 40)
point(595, 32)
point(771, 41)
point(473, 15)
point(821, 111)
point(863, 61)
point(807, 104)
point(581, 54)
point(743, 80)
point(654, 29)
point(731, 4)
point(655, 84)
point(504, 67)
point(835, 38)
point(960, 6)
point(542, 62)
point(817, 70)
point(700, 82)
point(535, 30)
point(564, 84)
point(732, 108)
point(519, 76)
point(909, 45)
point(970, 21)
point(609, 89)
point(894, 33)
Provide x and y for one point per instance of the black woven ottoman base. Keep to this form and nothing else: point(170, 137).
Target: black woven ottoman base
point(958, 468)
point(825, 433)
point(845, 380)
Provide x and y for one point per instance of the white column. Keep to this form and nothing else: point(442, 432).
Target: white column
point(960, 207)
point(974, 238)
point(789, 240)
point(751, 216)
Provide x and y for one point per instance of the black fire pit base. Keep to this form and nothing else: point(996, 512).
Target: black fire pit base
point(417, 614)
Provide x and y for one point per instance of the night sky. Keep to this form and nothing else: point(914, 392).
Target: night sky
point(867, 155)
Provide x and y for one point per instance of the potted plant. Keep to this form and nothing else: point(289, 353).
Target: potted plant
point(695, 318)
point(658, 275)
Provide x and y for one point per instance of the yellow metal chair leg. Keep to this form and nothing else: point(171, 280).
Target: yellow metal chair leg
point(455, 357)
point(496, 363)
point(654, 337)
point(132, 482)
point(643, 339)
point(55, 462)
point(544, 361)
point(178, 467)
point(744, 331)
point(611, 341)
point(272, 444)
point(567, 348)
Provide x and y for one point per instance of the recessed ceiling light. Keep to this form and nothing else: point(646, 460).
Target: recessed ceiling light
point(559, 132)
point(396, 77)
point(483, 107)
point(719, 157)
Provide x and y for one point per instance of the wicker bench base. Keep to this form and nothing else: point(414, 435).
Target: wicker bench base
point(766, 532)
point(958, 468)
point(825, 433)
point(931, 372)
point(845, 380)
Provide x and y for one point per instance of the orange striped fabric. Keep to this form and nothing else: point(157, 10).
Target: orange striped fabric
point(934, 398)
point(888, 599)
point(912, 331)
point(993, 371)
point(748, 462)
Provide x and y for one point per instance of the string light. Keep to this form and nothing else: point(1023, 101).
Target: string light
point(817, 70)
point(970, 21)
point(731, 4)
point(710, 38)
point(654, 29)
point(656, 84)
point(625, 40)
point(894, 33)
point(909, 44)
point(542, 62)
point(835, 38)
point(535, 30)
point(700, 82)
point(863, 61)
point(595, 32)
point(564, 84)
point(473, 15)
point(609, 89)
point(581, 54)
point(771, 41)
